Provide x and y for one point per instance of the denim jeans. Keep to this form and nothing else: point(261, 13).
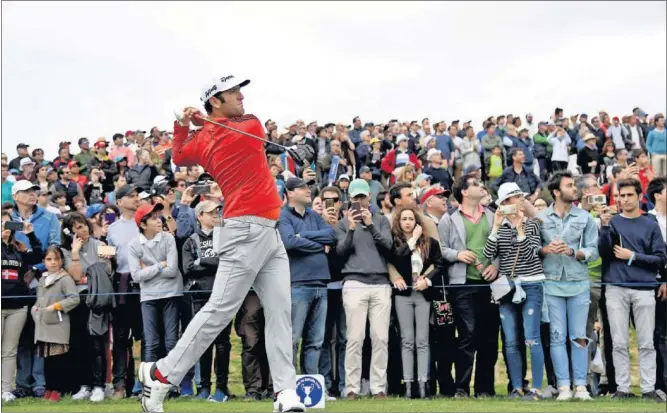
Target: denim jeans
point(569, 316)
point(531, 310)
point(29, 365)
point(161, 319)
point(335, 340)
point(309, 315)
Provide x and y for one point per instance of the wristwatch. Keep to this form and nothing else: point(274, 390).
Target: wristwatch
point(571, 253)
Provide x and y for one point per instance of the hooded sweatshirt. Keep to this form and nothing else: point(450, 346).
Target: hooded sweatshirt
point(200, 262)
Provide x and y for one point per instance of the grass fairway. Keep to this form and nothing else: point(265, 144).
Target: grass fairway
point(499, 404)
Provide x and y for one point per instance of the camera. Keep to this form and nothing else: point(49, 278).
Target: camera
point(508, 210)
point(597, 200)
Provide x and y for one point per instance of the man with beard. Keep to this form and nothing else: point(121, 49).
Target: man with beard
point(569, 243)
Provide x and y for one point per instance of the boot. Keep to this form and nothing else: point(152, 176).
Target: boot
point(408, 389)
point(422, 389)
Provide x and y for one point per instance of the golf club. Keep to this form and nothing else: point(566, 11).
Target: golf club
point(179, 117)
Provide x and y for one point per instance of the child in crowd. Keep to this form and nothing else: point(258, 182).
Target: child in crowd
point(56, 297)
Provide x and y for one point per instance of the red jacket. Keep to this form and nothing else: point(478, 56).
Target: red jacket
point(389, 163)
point(237, 163)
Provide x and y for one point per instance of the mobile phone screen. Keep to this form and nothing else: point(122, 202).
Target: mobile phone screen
point(14, 226)
point(329, 203)
point(355, 210)
point(110, 218)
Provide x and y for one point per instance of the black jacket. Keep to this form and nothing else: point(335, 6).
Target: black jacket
point(200, 262)
point(401, 258)
point(14, 266)
point(142, 176)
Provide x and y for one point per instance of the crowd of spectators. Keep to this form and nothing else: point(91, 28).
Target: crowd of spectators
point(413, 247)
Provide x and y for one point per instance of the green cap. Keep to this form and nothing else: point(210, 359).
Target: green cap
point(359, 187)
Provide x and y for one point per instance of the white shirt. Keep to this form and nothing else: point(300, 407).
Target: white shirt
point(662, 222)
point(634, 133)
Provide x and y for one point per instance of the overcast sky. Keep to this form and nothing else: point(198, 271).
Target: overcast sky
point(93, 68)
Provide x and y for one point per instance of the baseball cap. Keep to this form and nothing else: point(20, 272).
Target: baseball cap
point(146, 210)
point(94, 209)
point(205, 178)
point(294, 183)
point(508, 190)
point(144, 195)
point(344, 176)
point(73, 163)
point(22, 145)
point(422, 177)
point(364, 169)
point(470, 169)
point(359, 187)
point(431, 192)
point(431, 152)
point(222, 84)
point(368, 124)
point(583, 115)
point(120, 158)
point(26, 161)
point(401, 138)
point(64, 144)
point(100, 144)
point(129, 133)
point(24, 185)
point(206, 206)
point(615, 118)
point(83, 141)
point(125, 191)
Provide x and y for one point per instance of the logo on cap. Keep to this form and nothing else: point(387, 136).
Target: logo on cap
point(226, 78)
point(210, 91)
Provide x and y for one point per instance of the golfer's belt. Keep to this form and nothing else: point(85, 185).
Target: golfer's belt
point(251, 219)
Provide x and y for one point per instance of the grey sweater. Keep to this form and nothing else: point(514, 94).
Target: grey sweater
point(362, 251)
point(156, 282)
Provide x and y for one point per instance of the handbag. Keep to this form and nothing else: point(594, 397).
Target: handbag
point(443, 313)
point(504, 285)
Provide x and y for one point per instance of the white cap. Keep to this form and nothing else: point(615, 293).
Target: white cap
point(400, 138)
point(344, 176)
point(428, 140)
point(220, 85)
point(26, 161)
point(508, 190)
point(432, 152)
point(24, 185)
point(144, 195)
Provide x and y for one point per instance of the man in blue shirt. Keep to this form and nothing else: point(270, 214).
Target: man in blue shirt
point(307, 239)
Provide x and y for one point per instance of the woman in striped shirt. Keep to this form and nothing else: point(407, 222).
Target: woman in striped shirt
point(515, 240)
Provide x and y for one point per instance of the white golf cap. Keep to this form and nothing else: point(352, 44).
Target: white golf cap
point(24, 185)
point(508, 190)
point(222, 84)
point(401, 138)
point(432, 152)
point(26, 161)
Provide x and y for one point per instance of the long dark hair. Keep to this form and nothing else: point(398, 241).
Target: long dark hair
point(12, 242)
point(423, 243)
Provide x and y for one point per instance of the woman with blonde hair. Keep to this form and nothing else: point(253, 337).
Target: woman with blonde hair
point(414, 254)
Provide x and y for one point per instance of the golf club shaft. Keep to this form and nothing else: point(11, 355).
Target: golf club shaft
point(250, 135)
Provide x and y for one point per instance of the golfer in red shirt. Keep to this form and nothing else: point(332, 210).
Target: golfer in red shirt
point(249, 246)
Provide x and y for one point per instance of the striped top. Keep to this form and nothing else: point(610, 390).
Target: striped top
point(504, 244)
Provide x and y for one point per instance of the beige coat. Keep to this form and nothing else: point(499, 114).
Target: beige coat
point(48, 325)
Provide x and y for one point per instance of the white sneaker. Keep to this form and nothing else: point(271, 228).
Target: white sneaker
point(8, 397)
point(97, 395)
point(288, 401)
point(582, 394)
point(82, 394)
point(564, 393)
point(153, 392)
point(329, 398)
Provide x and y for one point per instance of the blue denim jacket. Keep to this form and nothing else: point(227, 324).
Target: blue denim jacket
point(579, 231)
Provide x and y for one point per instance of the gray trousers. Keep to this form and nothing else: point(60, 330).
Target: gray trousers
point(13, 321)
point(251, 255)
point(411, 310)
point(642, 302)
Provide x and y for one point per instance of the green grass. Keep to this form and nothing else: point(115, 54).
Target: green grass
point(499, 404)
